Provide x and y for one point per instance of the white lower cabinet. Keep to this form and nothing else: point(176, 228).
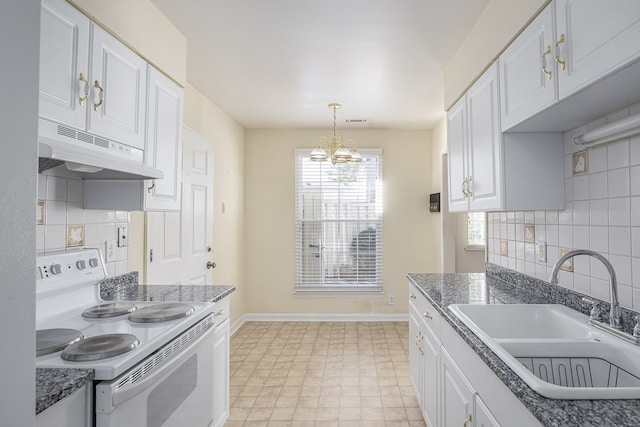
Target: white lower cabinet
point(221, 374)
point(423, 360)
point(484, 417)
point(457, 394)
point(72, 411)
point(454, 387)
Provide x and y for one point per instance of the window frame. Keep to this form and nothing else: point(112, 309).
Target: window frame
point(337, 285)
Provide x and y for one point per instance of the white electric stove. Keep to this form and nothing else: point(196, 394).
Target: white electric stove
point(67, 287)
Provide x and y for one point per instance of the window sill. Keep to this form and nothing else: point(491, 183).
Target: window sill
point(474, 248)
point(339, 292)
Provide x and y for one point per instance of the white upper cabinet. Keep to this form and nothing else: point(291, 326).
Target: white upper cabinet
point(64, 64)
point(475, 147)
point(163, 149)
point(457, 156)
point(490, 170)
point(89, 80)
point(485, 143)
point(594, 38)
point(118, 90)
point(528, 72)
point(574, 62)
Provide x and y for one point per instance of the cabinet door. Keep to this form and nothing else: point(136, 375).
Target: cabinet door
point(431, 366)
point(163, 148)
point(221, 375)
point(528, 76)
point(456, 156)
point(599, 38)
point(118, 90)
point(484, 417)
point(485, 143)
point(457, 395)
point(416, 353)
point(64, 64)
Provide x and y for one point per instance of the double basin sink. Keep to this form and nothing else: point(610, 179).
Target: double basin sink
point(555, 350)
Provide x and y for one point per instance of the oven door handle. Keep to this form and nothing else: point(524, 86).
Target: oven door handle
point(108, 397)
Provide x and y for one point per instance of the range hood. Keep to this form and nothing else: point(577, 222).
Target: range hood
point(92, 156)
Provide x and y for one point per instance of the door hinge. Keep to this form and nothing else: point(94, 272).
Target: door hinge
point(150, 255)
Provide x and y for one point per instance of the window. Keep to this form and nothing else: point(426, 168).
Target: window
point(339, 224)
point(476, 230)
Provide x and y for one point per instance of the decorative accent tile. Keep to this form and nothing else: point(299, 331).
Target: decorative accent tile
point(75, 235)
point(529, 233)
point(580, 162)
point(568, 264)
point(504, 247)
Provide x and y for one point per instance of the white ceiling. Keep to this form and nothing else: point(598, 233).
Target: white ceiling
point(278, 63)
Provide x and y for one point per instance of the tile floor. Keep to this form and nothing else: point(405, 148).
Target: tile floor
point(322, 374)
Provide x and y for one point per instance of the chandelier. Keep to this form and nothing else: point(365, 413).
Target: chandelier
point(334, 148)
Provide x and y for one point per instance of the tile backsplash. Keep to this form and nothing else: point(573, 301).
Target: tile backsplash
point(63, 224)
point(602, 213)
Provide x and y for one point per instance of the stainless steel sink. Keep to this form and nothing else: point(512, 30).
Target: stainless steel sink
point(555, 350)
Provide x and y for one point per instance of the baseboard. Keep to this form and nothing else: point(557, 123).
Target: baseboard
point(304, 317)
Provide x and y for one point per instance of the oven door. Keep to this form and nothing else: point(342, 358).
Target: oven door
point(177, 393)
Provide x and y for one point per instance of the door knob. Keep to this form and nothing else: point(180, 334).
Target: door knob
point(211, 265)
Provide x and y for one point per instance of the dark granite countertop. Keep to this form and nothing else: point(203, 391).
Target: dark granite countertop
point(53, 385)
point(497, 287)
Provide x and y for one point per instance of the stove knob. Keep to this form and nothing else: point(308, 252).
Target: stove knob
point(55, 269)
point(93, 262)
point(81, 265)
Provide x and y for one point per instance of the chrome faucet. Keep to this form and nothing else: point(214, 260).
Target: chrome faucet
point(614, 314)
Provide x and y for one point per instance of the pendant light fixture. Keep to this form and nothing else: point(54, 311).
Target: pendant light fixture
point(334, 149)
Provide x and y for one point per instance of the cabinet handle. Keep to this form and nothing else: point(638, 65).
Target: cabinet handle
point(563, 64)
point(427, 315)
point(469, 192)
point(151, 188)
point(100, 95)
point(544, 62)
point(464, 187)
point(84, 80)
point(467, 421)
point(412, 296)
point(211, 265)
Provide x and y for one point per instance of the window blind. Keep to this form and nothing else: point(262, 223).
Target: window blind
point(339, 223)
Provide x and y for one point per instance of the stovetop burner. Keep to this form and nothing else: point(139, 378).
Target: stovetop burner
point(100, 347)
point(112, 309)
point(162, 312)
point(52, 340)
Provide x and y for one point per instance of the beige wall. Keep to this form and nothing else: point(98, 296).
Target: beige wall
point(145, 29)
point(270, 220)
point(498, 24)
point(227, 137)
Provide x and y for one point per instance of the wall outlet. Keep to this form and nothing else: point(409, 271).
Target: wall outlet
point(123, 237)
point(541, 251)
point(391, 300)
point(110, 250)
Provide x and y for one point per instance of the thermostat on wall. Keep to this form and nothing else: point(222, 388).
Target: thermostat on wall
point(434, 202)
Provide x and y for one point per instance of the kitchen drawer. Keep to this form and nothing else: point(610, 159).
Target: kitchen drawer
point(221, 310)
point(427, 312)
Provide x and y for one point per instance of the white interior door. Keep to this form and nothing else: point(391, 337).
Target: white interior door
point(178, 244)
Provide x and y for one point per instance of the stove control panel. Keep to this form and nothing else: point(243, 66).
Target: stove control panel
point(60, 269)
